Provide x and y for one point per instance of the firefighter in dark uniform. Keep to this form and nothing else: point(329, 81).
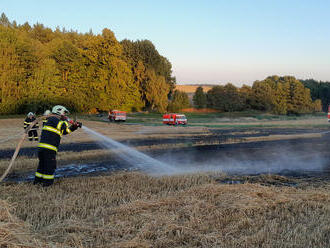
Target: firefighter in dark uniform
point(56, 126)
point(45, 117)
point(33, 133)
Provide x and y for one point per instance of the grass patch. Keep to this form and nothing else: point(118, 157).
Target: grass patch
point(204, 119)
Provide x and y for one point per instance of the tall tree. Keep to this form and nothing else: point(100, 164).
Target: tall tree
point(199, 98)
point(145, 51)
point(156, 91)
point(246, 95)
point(319, 90)
point(4, 21)
point(40, 67)
point(262, 96)
point(231, 99)
point(180, 100)
point(214, 97)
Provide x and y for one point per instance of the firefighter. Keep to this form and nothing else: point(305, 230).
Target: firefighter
point(56, 126)
point(33, 133)
point(46, 114)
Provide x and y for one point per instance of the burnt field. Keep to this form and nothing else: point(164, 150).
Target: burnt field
point(296, 153)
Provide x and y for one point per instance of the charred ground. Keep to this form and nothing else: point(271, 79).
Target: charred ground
point(299, 153)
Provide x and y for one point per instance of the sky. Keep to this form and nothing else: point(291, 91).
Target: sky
point(207, 41)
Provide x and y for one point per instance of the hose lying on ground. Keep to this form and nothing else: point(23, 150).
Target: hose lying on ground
point(18, 147)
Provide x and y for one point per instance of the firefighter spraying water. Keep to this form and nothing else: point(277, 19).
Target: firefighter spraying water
point(57, 125)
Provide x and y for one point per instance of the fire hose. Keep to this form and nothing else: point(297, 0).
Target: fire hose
point(18, 147)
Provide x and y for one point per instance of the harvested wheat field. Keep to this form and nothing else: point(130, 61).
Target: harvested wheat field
point(192, 88)
point(222, 186)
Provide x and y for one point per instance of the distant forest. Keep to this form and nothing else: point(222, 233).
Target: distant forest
point(41, 67)
point(319, 90)
point(278, 95)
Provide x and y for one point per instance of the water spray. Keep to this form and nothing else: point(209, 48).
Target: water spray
point(132, 156)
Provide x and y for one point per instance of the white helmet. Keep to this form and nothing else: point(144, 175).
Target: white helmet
point(47, 112)
point(60, 110)
point(30, 114)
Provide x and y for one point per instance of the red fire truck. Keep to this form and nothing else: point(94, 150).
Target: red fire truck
point(174, 119)
point(117, 115)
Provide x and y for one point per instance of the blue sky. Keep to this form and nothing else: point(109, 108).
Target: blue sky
point(208, 41)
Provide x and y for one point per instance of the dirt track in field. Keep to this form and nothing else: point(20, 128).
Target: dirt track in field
point(297, 152)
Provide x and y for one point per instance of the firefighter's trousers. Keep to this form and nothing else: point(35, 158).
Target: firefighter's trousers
point(46, 167)
point(33, 135)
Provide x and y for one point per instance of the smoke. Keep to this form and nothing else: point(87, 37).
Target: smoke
point(272, 159)
point(283, 159)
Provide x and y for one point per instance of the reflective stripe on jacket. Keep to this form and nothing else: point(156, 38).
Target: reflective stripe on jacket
point(52, 131)
point(28, 121)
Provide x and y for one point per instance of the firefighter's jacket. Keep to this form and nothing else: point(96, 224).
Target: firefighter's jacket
point(44, 121)
point(28, 121)
point(52, 132)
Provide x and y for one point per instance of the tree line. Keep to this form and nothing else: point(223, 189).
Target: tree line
point(279, 95)
point(319, 90)
point(40, 67)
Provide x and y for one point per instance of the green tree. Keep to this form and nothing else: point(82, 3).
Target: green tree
point(282, 95)
point(40, 67)
point(199, 98)
point(319, 90)
point(180, 100)
point(317, 105)
point(231, 99)
point(214, 97)
point(41, 33)
point(156, 90)
point(246, 95)
point(280, 100)
point(298, 97)
point(262, 96)
point(17, 63)
point(225, 98)
point(4, 21)
point(145, 51)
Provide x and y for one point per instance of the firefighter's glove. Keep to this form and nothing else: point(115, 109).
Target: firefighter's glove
point(74, 127)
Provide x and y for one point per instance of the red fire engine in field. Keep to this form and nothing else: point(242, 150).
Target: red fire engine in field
point(117, 115)
point(174, 119)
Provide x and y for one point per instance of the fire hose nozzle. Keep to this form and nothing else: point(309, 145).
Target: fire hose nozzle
point(76, 123)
